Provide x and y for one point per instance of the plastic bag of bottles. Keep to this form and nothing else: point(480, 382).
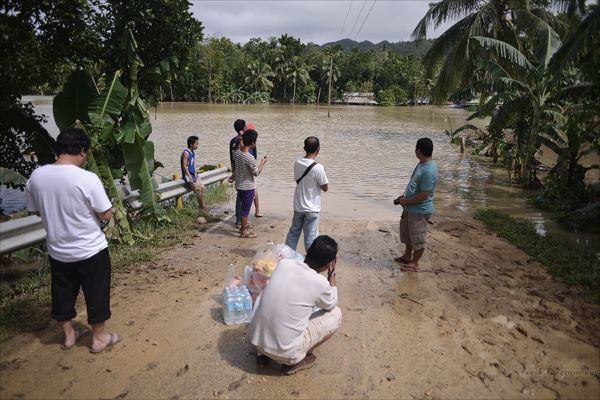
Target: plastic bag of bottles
point(237, 301)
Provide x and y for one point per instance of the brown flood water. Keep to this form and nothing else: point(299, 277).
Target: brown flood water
point(368, 154)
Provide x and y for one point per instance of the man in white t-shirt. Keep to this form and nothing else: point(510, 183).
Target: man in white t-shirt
point(72, 203)
point(310, 181)
point(285, 327)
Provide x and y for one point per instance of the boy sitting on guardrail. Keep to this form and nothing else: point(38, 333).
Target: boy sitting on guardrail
point(189, 172)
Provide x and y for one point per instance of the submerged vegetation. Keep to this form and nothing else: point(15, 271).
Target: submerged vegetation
point(566, 262)
point(535, 73)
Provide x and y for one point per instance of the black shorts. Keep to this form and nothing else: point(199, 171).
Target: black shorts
point(93, 276)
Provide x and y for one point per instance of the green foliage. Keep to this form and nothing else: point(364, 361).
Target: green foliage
point(221, 71)
point(564, 261)
point(571, 205)
point(386, 97)
point(21, 133)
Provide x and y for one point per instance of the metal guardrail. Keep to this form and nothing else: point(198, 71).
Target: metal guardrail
point(24, 232)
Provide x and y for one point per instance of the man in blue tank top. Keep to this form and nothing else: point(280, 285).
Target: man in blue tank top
point(417, 202)
point(188, 170)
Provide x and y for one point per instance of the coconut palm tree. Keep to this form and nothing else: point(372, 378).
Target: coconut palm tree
point(258, 78)
point(451, 53)
point(297, 71)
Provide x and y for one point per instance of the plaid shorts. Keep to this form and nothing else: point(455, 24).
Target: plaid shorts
point(197, 186)
point(413, 229)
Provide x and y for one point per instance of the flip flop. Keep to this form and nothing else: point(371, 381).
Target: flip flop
point(248, 235)
point(401, 260)
point(79, 333)
point(258, 215)
point(114, 339)
point(406, 268)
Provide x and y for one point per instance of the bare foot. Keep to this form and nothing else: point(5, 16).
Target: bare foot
point(410, 267)
point(402, 260)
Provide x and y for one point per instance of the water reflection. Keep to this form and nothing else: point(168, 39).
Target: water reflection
point(368, 154)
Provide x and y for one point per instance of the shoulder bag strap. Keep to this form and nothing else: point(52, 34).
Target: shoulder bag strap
point(306, 172)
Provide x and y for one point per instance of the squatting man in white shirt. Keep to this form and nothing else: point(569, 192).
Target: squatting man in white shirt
point(72, 203)
point(285, 326)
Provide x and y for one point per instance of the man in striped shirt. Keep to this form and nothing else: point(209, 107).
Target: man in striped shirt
point(246, 171)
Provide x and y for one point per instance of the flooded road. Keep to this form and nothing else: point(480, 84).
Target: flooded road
point(368, 154)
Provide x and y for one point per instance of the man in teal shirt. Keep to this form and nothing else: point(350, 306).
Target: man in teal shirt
point(417, 202)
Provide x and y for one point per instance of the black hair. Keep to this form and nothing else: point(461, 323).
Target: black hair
point(425, 145)
point(239, 125)
point(321, 252)
point(71, 141)
point(249, 137)
point(311, 144)
point(191, 140)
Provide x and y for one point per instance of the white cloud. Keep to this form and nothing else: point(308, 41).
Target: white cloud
point(311, 21)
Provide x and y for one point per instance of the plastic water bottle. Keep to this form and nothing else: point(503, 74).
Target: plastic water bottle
point(227, 306)
point(237, 305)
point(247, 301)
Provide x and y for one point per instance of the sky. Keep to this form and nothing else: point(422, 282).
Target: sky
point(314, 21)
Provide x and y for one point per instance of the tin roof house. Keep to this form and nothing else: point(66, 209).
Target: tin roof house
point(360, 98)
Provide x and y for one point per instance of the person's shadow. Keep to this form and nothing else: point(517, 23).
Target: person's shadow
point(234, 347)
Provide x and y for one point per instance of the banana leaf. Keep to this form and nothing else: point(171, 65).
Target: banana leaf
point(73, 101)
point(105, 109)
point(139, 161)
point(8, 176)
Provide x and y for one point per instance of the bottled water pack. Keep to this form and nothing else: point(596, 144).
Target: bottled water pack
point(237, 305)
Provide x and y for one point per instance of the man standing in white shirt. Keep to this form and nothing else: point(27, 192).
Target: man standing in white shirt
point(72, 203)
point(284, 327)
point(310, 181)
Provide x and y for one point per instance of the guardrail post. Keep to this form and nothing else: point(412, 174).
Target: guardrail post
point(178, 199)
point(221, 165)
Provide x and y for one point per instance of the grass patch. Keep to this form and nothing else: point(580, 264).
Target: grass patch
point(25, 302)
point(571, 265)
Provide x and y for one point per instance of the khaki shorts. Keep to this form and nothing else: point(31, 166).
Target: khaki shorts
point(321, 324)
point(197, 187)
point(413, 229)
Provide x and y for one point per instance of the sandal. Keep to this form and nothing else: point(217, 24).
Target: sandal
point(258, 215)
point(114, 339)
point(247, 235)
point(79, 333)
point(306, 363)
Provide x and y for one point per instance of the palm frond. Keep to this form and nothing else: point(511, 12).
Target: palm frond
point(447, 43)
point(441, 12)
point(509, 113)
point(492, 68)
point(506, 51)
point(488, 108)
point(578, 43)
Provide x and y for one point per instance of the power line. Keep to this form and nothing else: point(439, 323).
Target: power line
point(365, 20)
point(357, 17)
point(345, 19)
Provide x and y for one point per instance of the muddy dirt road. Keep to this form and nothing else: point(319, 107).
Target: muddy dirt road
point(482, 321)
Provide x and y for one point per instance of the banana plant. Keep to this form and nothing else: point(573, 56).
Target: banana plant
point(118, 123)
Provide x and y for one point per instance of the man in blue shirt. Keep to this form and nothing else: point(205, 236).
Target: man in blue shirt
point(417, 202)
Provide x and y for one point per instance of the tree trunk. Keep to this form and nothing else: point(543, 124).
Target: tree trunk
point(319, 95)
point(294, 95)
point(330, 84)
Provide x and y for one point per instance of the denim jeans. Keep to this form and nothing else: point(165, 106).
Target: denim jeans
point(307, 221)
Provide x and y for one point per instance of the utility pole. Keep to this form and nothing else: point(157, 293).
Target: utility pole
point(330, 82)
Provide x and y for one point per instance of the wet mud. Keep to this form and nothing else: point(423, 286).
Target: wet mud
point(483, 320)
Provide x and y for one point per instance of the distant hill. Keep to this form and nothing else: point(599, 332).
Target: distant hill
point(414, 47)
